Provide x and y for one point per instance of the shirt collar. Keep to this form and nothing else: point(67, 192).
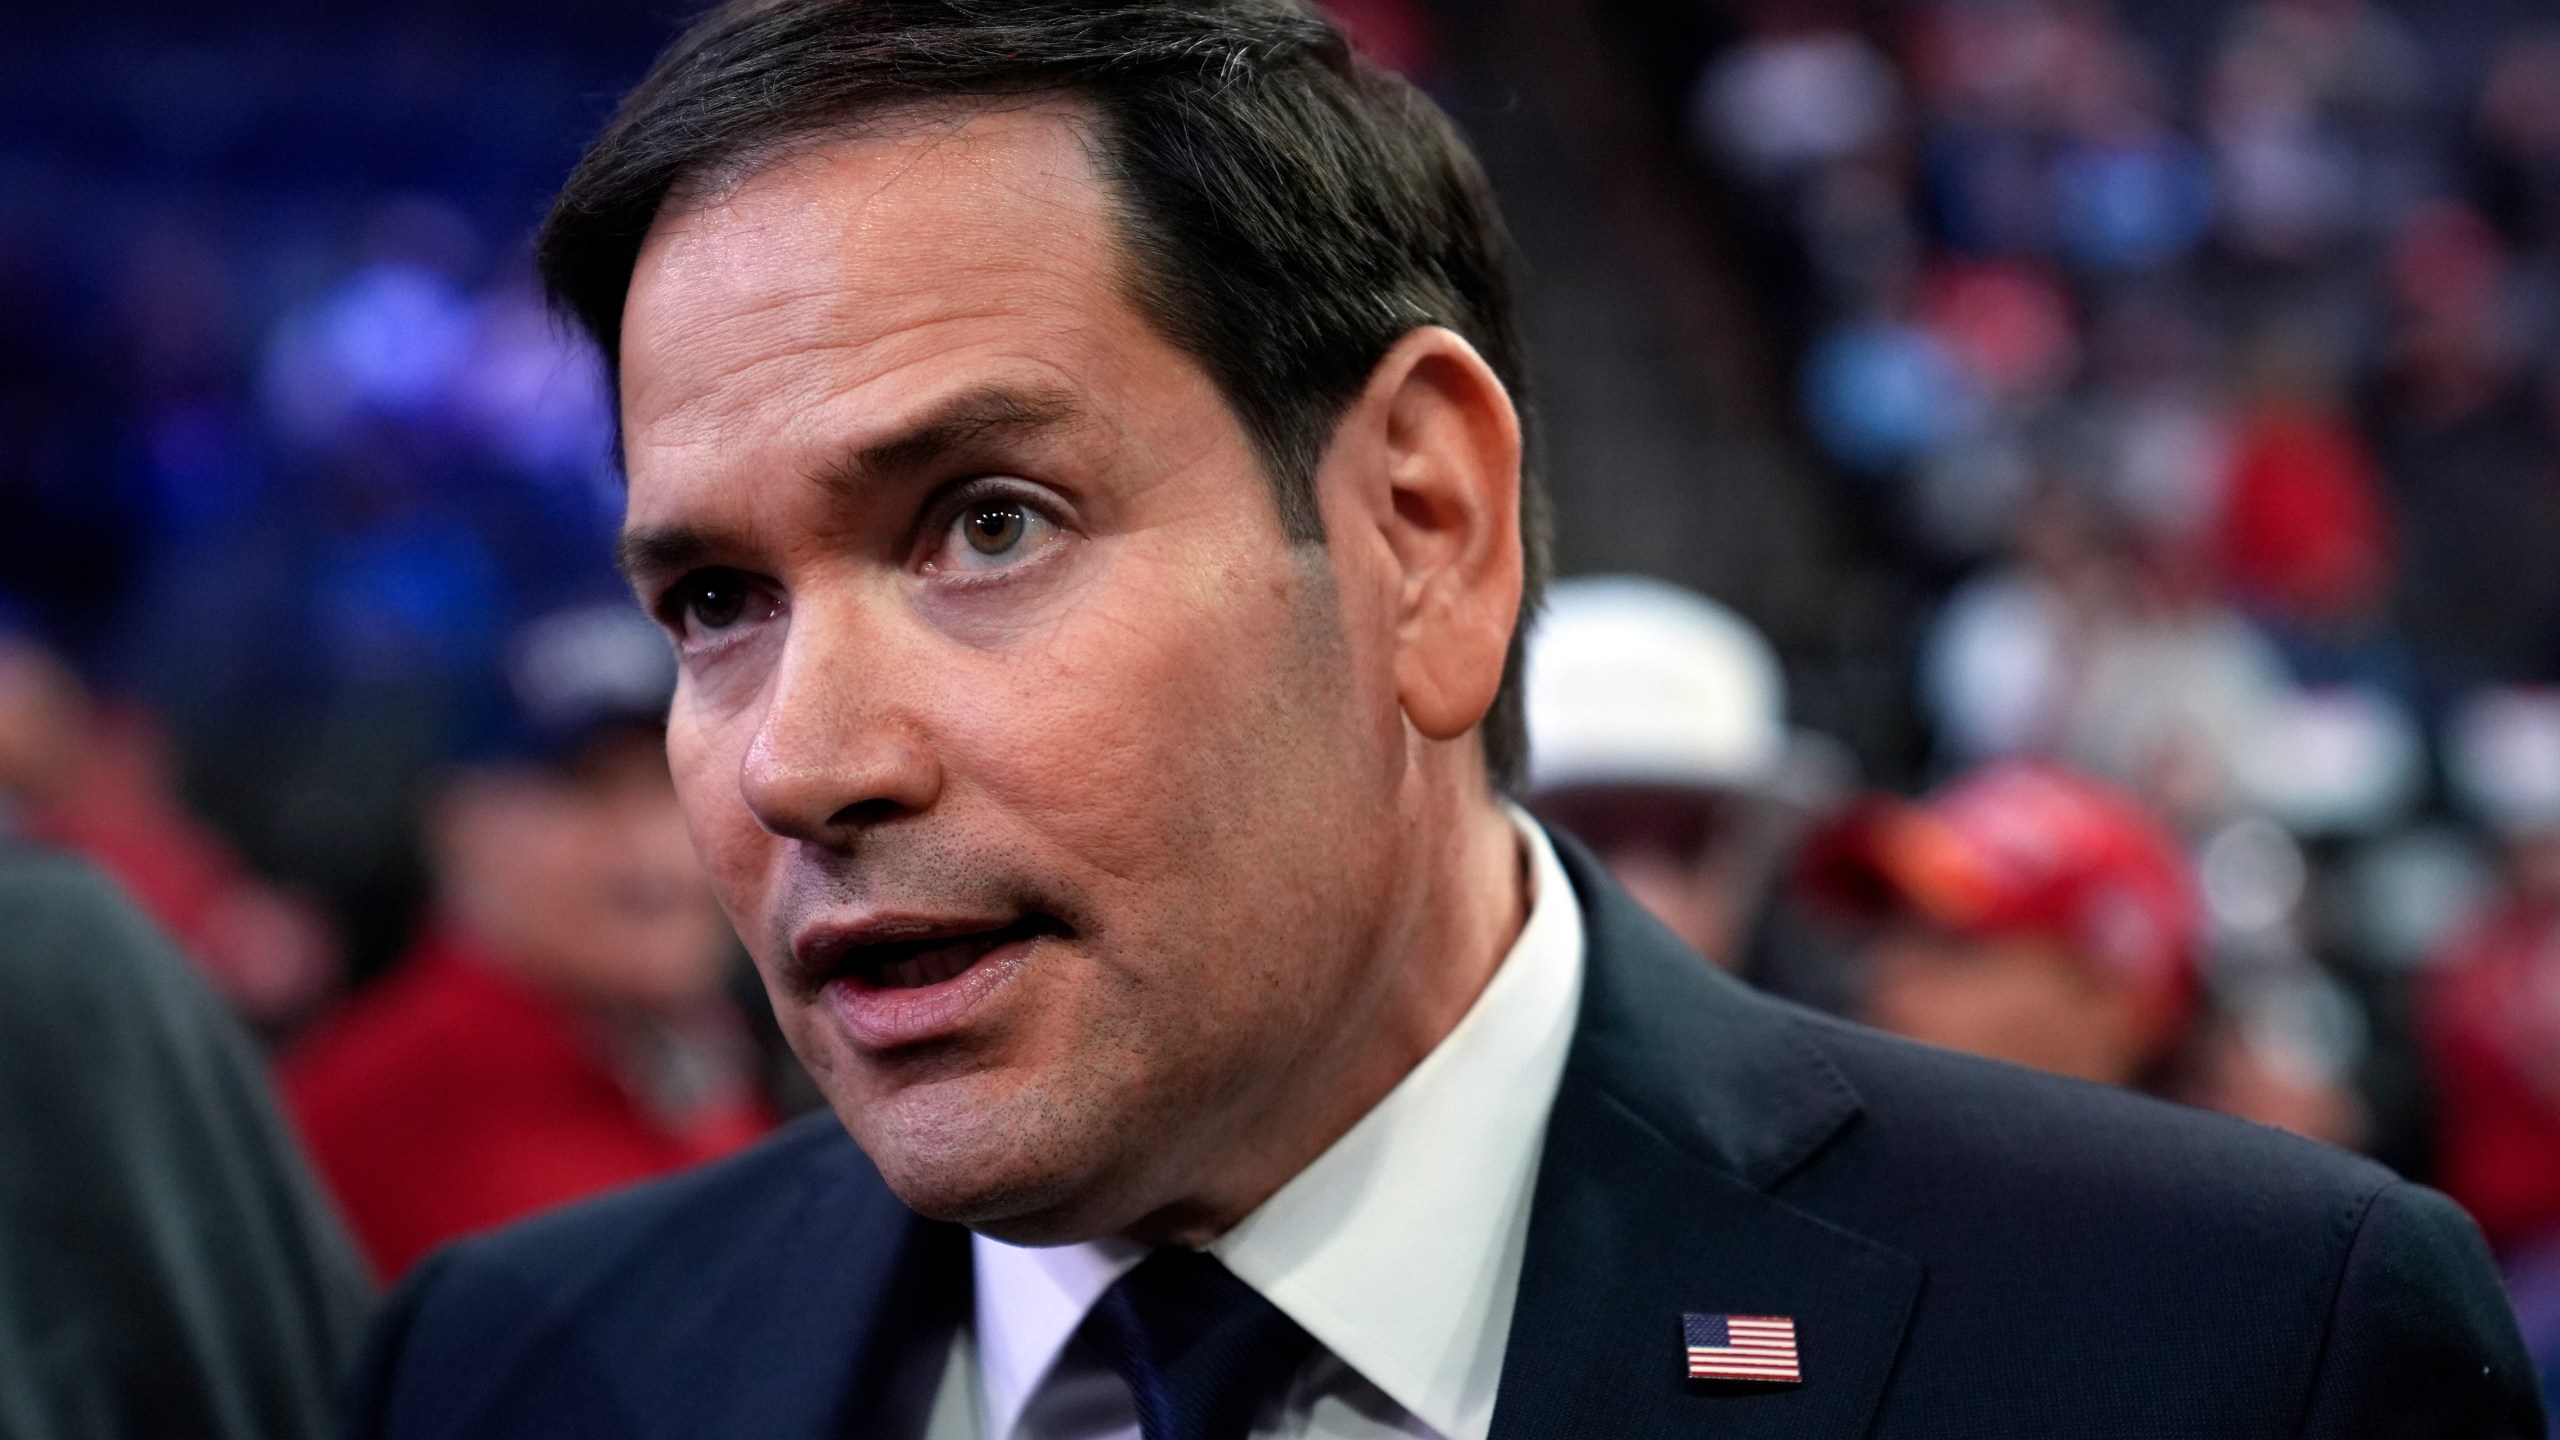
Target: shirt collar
point(1029, 1303)
point(1399, 1247)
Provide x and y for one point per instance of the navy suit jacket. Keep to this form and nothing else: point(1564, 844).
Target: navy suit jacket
point(1968, 1250)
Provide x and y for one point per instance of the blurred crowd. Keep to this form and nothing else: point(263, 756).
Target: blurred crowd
point(2221, 406)
point(2218, 409)
point(309, 632)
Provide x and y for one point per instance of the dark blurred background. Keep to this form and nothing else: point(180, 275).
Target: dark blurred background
point(2172, 390)
point(287, 442)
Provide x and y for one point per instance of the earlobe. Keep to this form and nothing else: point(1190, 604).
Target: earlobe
point(1448, 509)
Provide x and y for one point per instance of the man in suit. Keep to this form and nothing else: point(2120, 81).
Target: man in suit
point(1073, 448)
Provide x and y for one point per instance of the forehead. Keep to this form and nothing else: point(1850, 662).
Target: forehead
point(854, 273)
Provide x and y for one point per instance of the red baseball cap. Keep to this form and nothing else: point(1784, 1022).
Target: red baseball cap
point(2019, 847)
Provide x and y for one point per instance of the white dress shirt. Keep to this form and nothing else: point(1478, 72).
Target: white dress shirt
point(1398, 1249)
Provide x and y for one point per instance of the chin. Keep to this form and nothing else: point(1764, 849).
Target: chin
point(1007, 1201)
point(951, 1153)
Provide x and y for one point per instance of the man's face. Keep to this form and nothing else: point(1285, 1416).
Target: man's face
point(43, 713)
point(1683, 854)
point(1048, 783)
point(585, 881)
point(2021, 998)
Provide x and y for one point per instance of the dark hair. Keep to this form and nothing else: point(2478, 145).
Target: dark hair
point(1292, 211)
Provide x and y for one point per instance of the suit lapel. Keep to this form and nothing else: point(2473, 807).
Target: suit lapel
point(1686, 1101)
point(832, 1321)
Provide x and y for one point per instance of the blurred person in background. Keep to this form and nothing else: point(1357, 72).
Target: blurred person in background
point(2490, 1002)
point(562, 1025)
point(1657, 737)
point(168, 1268)
point(2515, 159)
point(2471, 455)
point(43, 714)
point(2489, 1010)
point(2031, 914)
point(97, 779)
point(2100, 649)
point(2304, 540)
point(2310, 108)
point(2024, 913)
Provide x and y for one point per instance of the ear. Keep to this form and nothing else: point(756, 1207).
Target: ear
point(1431, 460)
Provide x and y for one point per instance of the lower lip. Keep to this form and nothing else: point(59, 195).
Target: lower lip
point(882, 1018)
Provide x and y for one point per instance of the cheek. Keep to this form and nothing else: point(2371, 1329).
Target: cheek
point(1186, 760)
point(1157, 718)
point(735, 853)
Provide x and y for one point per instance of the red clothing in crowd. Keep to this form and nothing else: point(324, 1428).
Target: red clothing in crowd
point(2491, 1017)
point(2303, 529)
point(454, 1097)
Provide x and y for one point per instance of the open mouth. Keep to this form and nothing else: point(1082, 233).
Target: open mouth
point(934, 959)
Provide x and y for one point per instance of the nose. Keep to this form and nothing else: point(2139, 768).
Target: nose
point(841, 747)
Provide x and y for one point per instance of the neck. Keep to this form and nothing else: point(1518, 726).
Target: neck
point(1461, 900)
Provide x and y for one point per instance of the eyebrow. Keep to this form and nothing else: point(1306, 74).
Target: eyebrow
point(967, 420)
point(660, 550)
point(957, 425)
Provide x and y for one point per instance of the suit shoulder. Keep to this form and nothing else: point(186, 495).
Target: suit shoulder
point(2264, 1271)
point(648, 1310)
point(607, 1238)
point(1983, 1123)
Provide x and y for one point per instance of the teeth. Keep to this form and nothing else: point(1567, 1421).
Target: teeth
point(930, 968)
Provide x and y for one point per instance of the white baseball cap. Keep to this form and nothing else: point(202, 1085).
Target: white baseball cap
point(1635, 682)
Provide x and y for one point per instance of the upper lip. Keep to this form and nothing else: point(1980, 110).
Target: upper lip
point(828, 950)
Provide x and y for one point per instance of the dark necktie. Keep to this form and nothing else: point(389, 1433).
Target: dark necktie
point(1201, 1350)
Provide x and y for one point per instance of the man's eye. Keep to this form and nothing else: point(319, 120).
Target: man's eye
point(994, 529)
point(712, 600)
point(990, 534)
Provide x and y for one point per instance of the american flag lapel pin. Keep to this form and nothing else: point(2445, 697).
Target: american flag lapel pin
point(1758, 1348)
